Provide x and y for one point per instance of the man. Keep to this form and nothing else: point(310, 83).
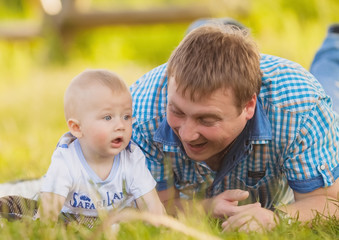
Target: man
point(219, 116)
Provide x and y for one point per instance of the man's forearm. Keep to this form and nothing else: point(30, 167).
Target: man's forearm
point(306, 209)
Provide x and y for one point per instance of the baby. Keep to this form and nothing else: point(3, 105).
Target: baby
point(95, 166)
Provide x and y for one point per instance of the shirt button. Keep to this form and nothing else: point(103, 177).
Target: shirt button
point(322, 167)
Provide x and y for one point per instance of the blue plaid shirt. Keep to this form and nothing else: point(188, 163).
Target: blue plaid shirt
point(292, 142)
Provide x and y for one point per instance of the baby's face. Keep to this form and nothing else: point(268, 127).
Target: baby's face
point(105, 122)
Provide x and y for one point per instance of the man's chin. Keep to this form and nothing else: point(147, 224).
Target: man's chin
point(198, 157)
point(196, 153)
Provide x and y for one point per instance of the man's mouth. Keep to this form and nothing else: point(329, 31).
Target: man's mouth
point(196, 147)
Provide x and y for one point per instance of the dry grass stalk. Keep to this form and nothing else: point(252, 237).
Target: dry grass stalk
point(128, 215)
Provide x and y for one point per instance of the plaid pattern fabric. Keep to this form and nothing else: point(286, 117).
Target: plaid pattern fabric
point(16, 207)
point(20, 208)
point(302, 153)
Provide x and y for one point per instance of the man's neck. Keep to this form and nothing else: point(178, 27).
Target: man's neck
point(215, 161)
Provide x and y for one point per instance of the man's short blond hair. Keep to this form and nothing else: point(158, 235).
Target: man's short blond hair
point(87, 79)
point(213, 57)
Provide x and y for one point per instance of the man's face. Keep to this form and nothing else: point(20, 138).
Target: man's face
point(207, 126)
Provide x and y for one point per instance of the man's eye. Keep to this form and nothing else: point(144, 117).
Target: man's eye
point(107, 118)
point(177, 113)
point(207, 122)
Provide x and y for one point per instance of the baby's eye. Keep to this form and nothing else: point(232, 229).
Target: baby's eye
point(126, 117)
point(107, 118)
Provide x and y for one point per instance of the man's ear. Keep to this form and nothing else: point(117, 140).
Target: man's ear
point(74, 127)
point(250, 107)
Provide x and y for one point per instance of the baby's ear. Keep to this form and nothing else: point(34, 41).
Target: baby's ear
point(74, 127)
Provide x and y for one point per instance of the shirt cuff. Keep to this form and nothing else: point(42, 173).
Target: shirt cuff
point(162, 185)
point(308, 185)
point(325, 179)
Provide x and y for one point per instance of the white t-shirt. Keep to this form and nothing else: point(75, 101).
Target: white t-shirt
point(69, 175)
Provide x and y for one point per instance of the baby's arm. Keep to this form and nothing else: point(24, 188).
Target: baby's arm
point(151, 202)
point(50, 206)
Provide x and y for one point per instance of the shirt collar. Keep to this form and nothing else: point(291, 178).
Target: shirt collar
point(260, 129)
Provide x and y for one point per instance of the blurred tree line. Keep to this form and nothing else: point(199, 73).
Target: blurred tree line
point(288, 28)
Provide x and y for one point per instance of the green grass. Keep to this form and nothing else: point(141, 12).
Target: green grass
point(136, 226)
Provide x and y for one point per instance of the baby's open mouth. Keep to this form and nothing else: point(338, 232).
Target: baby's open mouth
point(117, 140)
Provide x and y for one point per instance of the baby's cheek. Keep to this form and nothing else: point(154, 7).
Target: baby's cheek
point(101, 136)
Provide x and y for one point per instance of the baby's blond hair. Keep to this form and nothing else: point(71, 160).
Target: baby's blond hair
point(84, 81)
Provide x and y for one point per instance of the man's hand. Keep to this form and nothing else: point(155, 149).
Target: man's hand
point(254, 218)
point(226, 203)
point(305, 208)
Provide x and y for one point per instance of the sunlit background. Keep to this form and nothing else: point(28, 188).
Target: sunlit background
point(44, 44)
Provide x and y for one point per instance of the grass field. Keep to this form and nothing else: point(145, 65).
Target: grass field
point(134, 226)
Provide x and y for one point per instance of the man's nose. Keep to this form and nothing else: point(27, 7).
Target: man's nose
point(188, 131)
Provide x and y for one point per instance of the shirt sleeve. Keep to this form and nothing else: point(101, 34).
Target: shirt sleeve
point(58, 179)
point(313, 161)
point(156, 161)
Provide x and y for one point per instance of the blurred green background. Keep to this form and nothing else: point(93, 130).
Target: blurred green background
point(35, 72)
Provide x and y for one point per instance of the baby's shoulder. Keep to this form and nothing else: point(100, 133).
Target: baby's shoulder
point(132, 148)
point(65, 151)
point(132, 153)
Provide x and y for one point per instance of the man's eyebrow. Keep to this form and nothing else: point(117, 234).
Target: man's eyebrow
point(172, 104)
point(207, 115)
point(201, 114)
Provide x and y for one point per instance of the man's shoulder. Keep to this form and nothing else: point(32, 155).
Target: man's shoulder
point(149, 79)
point(149, 94)
point(270, 63)
point(288, 85)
